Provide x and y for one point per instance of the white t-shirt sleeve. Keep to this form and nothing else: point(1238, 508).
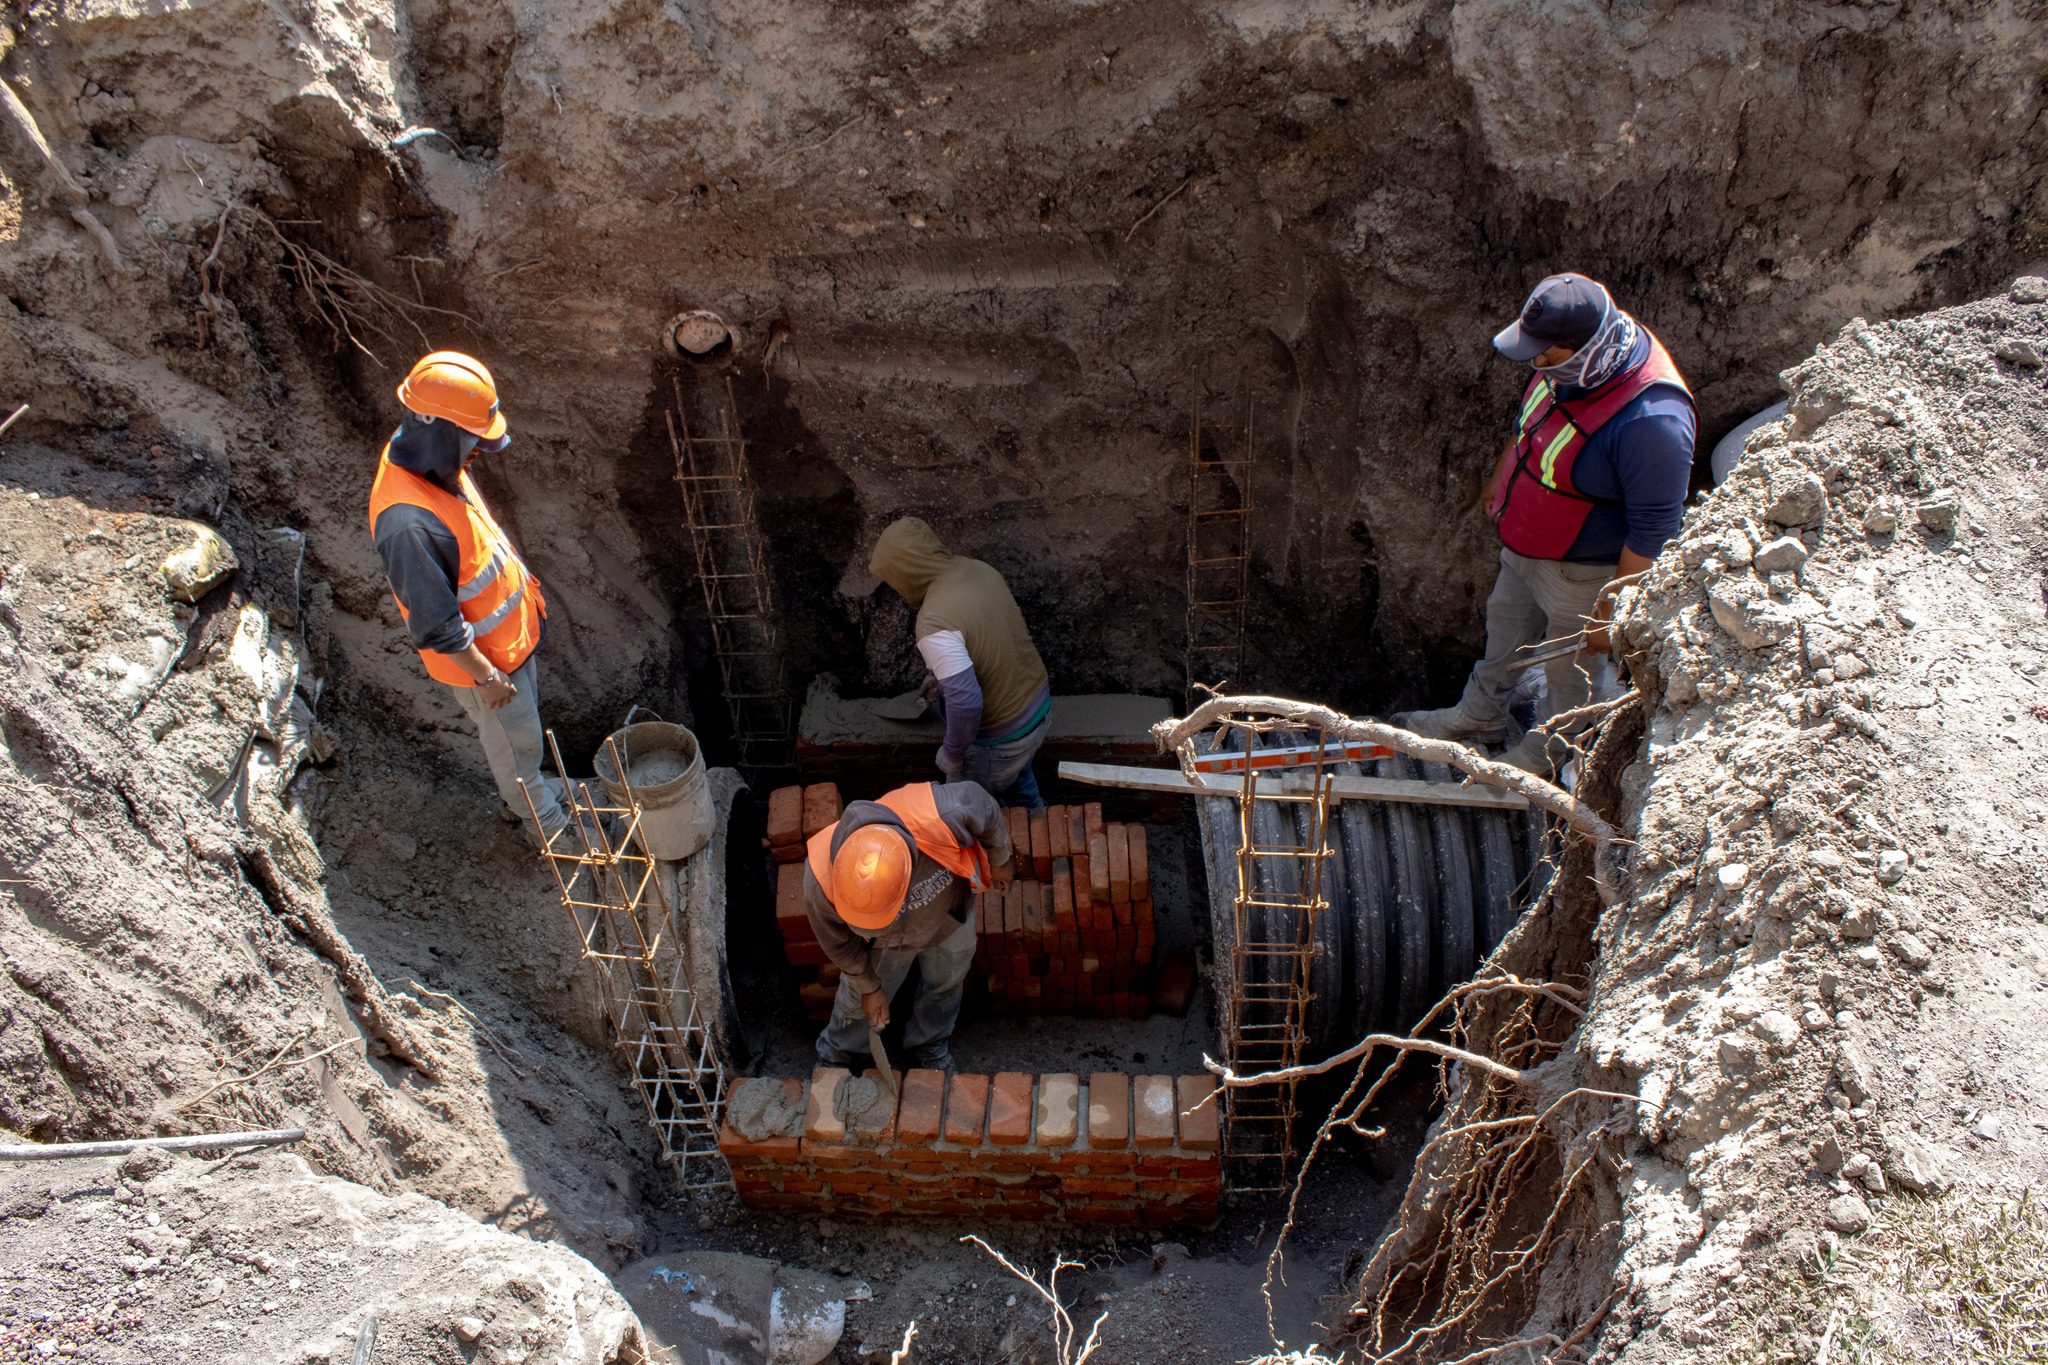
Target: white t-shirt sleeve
point(945, 653)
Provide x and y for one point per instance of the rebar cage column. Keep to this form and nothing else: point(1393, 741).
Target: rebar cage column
point(1219, 553)
point(732, 566)
point(633, 940)
point(1282, 853)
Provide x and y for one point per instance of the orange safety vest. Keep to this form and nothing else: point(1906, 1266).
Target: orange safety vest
point(496, 594)
point(1539, 510)
point(916, 807)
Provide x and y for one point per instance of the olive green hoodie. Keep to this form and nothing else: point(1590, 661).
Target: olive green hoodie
point(953, 592)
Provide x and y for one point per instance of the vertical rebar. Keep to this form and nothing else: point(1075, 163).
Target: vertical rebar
point(1219, 555)
point(1278, 901)
point(732, 567)
point(635, 944)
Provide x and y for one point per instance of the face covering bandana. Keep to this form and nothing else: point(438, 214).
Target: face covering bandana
point(1600, 359)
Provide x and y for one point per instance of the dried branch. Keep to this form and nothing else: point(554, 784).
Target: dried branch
point(1063, 1328)
point(1261, 712)
point(276, 1061)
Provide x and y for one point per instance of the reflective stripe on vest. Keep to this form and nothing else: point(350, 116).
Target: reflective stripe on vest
point(1541, 510)
point(500, 600)
point(918, 809)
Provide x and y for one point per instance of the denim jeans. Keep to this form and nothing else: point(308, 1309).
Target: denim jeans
point(513, 747)
point(942, 969)
point(1004, 770)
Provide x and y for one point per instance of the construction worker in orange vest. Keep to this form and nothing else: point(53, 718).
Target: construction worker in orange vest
point(474, 610)
point(887, 887)
point(1585, 494)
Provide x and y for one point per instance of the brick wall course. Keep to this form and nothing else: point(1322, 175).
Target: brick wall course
point(1016, 1146)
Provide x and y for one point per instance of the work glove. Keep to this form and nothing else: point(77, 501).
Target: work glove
point(955, 769)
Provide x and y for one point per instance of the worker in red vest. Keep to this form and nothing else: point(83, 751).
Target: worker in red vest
point(474, 610)
point(1585, 495)
point(887, 887)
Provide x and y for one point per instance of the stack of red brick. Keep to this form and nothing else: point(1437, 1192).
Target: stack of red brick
point(794, 815)
point(1074, 934)
point(1110, 1149)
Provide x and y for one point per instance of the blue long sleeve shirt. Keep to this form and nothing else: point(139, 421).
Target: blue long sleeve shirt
point(1640, 465)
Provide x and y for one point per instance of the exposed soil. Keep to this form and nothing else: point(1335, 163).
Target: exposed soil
point(983, 262)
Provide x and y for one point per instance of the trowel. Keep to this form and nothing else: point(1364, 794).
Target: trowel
point(881, 1056)
point(911, 705)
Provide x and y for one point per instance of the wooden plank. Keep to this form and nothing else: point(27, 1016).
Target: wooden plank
point(1341, 788)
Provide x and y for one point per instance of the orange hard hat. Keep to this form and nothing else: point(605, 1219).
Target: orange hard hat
point(870, 873)
point(455, 386)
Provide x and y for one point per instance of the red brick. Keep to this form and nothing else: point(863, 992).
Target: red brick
point(790, 919)
point(1062, 893)
point(1175, 988)
point(804, 952)
point(1058, 1119)
point(924, 1101)
point(1056, 832)
point(1082, 897)
point(1091, 819)
point(1141, 862)
point(1119, 866)
point(1041, 846)
point(785, 820)
point(1098, 868)
point(1199, 1124)
point(821, 1119)
point(816, 996)
point(1013, 912)
point(1077, 832)
point(1109, 1109)
point(821, 807)
point(1152, 1110)
point(966, 1109)
point(1009, 1109)
point(1019, 821)
point(736, 1146)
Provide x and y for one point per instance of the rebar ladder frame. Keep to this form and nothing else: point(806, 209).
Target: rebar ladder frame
point(732, 568)
point(1219, 558)
point(1265, 1021)
point(635, 945)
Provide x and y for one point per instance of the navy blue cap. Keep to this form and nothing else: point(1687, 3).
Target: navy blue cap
point(1564, 310)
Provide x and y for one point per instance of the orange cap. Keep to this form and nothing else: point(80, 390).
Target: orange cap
point(451, 385)
point(870, 873)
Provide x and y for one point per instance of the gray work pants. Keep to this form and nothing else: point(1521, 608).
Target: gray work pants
point(942, 980)
point(1533, 600)
point(513, 747)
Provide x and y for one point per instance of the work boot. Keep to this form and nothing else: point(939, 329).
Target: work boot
point(1532, 755)
point(1450, 722)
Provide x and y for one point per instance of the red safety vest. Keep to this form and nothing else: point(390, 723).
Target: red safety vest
point(1539, 510)
point(496, 594)
point(915, 806)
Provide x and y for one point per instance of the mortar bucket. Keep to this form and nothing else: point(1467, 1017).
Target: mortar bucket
point(666, 769)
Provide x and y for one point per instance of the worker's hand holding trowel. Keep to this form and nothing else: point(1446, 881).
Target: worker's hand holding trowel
point(875, 1005)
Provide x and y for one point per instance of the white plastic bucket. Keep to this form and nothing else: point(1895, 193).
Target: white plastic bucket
point(666, 769)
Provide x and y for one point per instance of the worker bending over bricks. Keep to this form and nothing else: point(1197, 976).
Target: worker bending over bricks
point(887, 886)
point(991, 682)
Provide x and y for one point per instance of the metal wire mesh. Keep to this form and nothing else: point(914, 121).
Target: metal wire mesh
point(633, 940)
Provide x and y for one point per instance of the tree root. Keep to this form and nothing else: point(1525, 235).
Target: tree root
point(1518, 1168)
point(360, 984)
